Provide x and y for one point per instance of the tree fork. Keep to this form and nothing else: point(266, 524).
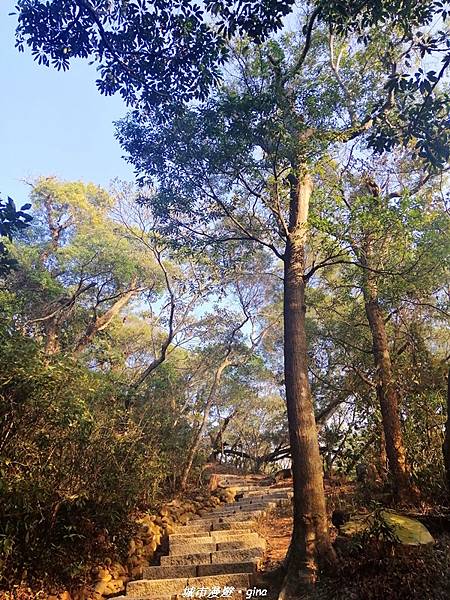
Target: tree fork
point(99, 323)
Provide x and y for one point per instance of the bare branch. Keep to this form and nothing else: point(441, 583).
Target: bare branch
point(170, 334)
point(307, 45)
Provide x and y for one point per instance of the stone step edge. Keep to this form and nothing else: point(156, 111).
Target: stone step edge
point(154, 587)
point(212, 534)
point(217, 525)
point(232, 512)
point(241, 505)
point(257, 498)
point(181, 549)
point(221, 556)
point(200, 570)
point(224, 518)
point(194, 542)
point(273, 493)
point(235, 510)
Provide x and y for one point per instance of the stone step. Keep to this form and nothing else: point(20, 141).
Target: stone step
point(241, 544)
point(238, 555)
point(205, 547)
point(222, 556)
point(226, 518)
point(190, 558)
point(231, 509)
point(237, 506)
point(239, 480)
point(212, 536)
point(170, 572)
point(236, 516)
point(215, 534)
point(218, 524)
point(199, 570)
point(266, 495)
point(277, 500)
point(270, 492)
point(240, 487)
point(234, 511)
point(250, 501)
point(228, 568)
point(255, 500)
point(157, 587)
point(246, 513)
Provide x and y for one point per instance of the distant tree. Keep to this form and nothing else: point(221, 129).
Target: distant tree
point(234, 341)
point(76, 272)
point(93, 272)
point(391, 225)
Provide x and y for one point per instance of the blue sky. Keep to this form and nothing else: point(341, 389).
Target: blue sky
point(53, 123)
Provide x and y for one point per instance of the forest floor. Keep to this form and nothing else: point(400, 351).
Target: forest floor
point(374, 571)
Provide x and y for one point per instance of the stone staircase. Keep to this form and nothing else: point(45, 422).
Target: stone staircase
point(217, 554)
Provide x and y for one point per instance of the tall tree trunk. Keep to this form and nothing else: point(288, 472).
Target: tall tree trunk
point(198, 434)
point(446, 444)
point(310, 546)
point(386, 392)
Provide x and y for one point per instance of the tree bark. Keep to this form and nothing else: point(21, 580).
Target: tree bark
point(310, 547)
point(446, 444)
point(387, 393)
point(383, 460)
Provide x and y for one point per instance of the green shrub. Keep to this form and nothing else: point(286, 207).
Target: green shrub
point(73, 461)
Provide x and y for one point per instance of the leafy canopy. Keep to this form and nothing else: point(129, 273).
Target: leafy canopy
point(151, 52)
